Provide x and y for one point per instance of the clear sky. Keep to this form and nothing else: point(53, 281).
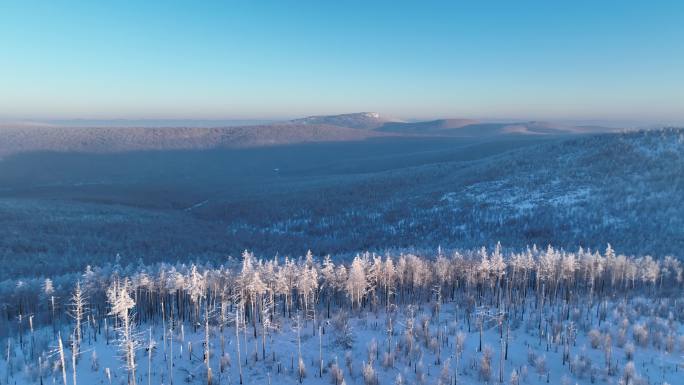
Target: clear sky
point(256, 59)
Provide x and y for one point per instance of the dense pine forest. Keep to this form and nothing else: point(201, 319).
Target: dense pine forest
point(458, 317)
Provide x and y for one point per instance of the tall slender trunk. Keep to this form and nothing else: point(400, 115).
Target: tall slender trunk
point(237, 340)
point(61, 357)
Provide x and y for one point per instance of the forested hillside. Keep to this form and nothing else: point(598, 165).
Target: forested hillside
point(385, 194)
point(626, 187)
point(16, 140)
point(584, 191)
point(67, 136)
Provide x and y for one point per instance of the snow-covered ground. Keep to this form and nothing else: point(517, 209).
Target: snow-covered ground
point(536, 360)
point(478, 319)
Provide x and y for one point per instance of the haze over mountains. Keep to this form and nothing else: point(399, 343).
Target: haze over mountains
point(75, 136)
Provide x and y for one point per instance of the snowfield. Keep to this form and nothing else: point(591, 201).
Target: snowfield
point(477, 317)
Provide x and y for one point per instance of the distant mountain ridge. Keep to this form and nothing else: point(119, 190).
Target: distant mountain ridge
point(475, 128)
point(17, 138)
point(122, 139)
point(448, 127)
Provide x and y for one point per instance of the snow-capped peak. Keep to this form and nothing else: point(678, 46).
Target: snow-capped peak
point(360, 120)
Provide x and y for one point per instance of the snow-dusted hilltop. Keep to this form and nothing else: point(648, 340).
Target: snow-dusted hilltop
point(360, 120)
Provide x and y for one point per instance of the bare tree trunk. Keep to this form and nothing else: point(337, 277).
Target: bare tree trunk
point(61, 357)
point(150, 346)
point(206, 342)
point(237, 340)
point(320, 352)
point(74, 353)
point(171, 348)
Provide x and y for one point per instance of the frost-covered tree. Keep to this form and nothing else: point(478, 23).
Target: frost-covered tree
point(122, 304)
point(49, 293)
point(328, 286)
point(388, 277)
point(498, 265)
point(307, 284)
point(484, 268)
point(196, 288)
point(650, 269)
point(266, 324)
point(356, 281)
point(77, 312)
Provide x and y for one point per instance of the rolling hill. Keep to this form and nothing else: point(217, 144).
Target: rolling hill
point(20, 138)
point(121, 139)
point(337, 197)
point(474, 128)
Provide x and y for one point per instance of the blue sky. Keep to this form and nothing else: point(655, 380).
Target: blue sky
point(610, 60)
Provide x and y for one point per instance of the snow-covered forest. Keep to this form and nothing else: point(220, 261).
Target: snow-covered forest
point(65, 211)
point(341, 193)
point(454, 317)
